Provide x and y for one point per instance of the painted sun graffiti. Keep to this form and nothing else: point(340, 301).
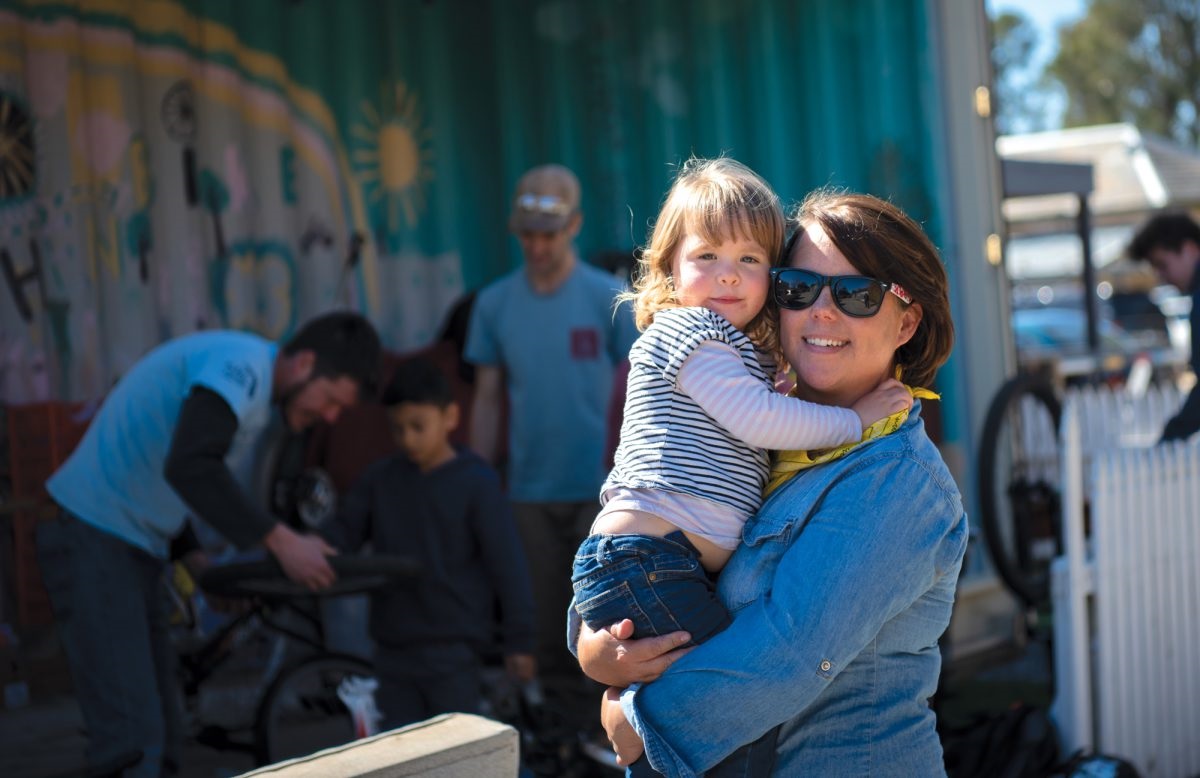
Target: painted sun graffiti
point(17, 152)
point(392, 156)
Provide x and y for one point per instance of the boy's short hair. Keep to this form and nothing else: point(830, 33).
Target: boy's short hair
point(1168, 231)
point(418, 380)
point(345, 344)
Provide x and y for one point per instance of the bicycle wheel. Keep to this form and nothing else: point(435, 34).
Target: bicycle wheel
point(1019, 503)
point(301, 712)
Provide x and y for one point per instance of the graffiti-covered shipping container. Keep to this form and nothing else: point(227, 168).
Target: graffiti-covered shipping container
point(173, 165)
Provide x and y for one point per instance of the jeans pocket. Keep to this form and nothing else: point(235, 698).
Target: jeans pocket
point(592, 574)
point(665, 567)
point(607, 606)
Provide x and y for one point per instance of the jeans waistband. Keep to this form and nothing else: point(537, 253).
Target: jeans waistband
point(678, 537)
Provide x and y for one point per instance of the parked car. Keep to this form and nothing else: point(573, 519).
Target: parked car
point(1058, 334)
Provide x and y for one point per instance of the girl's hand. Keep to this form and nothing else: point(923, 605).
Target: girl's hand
point(610, 657)
point(882, 401)
point(624, 738)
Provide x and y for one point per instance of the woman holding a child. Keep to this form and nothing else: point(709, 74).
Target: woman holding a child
point(845, 578)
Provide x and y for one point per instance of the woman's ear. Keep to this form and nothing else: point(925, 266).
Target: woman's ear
point(910, 319)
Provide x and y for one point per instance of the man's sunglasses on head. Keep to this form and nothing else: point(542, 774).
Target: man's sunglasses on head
point(859, 296)
point(544, 204)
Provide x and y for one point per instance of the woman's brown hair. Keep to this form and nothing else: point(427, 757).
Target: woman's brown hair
point(881, 241)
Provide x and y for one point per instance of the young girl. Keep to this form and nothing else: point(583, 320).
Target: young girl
point(700, 411)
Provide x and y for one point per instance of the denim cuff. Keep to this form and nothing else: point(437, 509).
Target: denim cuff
point(658, 756)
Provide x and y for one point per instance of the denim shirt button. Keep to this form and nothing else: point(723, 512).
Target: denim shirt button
point(826, 665)
point(653, 576)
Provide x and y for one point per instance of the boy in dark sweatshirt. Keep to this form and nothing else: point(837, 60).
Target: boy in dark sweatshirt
point(443, 507)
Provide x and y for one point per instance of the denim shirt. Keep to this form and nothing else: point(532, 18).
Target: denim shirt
point(840, 590)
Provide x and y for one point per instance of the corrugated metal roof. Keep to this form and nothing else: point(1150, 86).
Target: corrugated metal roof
point(1178, 168)
point(1135, 173)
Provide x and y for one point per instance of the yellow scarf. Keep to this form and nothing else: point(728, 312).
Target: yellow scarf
point(788, 463)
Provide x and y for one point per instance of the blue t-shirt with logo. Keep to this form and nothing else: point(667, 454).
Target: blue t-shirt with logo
point(558, 352)
point(114, 478)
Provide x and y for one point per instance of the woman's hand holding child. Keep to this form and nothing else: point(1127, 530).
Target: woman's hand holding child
point(608, 656)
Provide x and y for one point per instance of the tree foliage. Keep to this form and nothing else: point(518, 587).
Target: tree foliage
point(1136, 62)
point(1014, 39)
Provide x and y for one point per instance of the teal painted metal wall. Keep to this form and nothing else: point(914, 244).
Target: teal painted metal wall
point(295, 100)
point(807, 92)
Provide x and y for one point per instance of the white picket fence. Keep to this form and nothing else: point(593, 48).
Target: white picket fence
point(1126, 592)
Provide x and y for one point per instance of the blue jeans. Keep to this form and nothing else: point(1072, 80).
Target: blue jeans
point(659, 583)
point(419, 681)
point(109, 605)
point(550, 532)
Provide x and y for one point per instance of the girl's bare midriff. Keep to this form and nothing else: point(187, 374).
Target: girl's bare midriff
point(712, 556)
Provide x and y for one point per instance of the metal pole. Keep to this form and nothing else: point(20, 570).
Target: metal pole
point(1089, 280)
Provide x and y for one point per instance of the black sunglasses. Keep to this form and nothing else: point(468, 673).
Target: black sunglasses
point(859, 296)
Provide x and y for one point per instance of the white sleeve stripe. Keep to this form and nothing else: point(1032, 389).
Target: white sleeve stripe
point(717, 379)
point(668, 441)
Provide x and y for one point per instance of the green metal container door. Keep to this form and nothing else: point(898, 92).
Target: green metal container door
point(807, 92)
point(407, 123)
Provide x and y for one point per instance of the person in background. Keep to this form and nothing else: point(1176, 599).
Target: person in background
point(156, 451)
point(845, 578)
point(547, 339)
point(1170, 242)
point(443, 507)
point(454, 331)
point(622, 265)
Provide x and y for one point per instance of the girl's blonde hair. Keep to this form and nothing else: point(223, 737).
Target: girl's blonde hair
point(718, 199)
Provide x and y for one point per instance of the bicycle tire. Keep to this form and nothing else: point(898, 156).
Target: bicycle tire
point(1031, 588)
point(301, 713)
point(265, 578)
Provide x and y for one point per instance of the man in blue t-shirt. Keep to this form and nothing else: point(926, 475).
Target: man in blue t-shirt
point(546, 336)
point(159, 448)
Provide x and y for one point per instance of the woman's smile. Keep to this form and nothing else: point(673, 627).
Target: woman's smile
point(825, 343)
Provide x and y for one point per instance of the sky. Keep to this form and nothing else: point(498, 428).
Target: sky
point(1046, 16)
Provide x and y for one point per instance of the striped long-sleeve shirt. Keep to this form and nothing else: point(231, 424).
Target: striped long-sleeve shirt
point(700, 414)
